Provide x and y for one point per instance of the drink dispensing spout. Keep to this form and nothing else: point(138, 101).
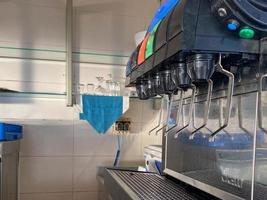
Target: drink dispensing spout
point(146, 89)
point(142, 90)
point(201, 68)
point(164, 85)
point(180, 75)
point(182, 81)
point(166, 81)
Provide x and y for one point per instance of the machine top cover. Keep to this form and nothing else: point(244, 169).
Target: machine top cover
point(162, 12)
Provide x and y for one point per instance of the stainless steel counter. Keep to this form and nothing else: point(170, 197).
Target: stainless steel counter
point(9, 162)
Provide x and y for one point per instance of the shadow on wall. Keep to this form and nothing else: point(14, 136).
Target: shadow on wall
point(26, 83)
point(26, 73)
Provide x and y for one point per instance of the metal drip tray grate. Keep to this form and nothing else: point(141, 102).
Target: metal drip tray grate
point(149, 186)
point(260, 192)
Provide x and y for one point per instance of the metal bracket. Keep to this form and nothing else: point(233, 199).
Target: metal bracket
point(221, 112)
point(207, 110)
point(180, 106)
point(160, 118)
point(240, 117)
point(69, 62)
point(193, 88)
point(220, 69)
point(260, 111)
point(168, 115)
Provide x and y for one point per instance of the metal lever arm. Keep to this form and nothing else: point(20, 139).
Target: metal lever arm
point(240, 117)
point(169, 106)
point(230, 92)
point(193, 87)
point(160, 118)
point(207, 109)
point(178, 114)
point(260, 110)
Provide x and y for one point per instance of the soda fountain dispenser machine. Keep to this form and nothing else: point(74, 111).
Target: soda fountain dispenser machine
point(207, 59)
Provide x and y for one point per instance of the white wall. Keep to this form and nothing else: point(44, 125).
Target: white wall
point(100, 25)
point(103, 33)
point(59, 153)
point(46, 76)
point(59, 158)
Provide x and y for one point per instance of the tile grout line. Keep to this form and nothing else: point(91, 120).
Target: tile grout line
point(75, 155)
point(73, 149)
point(61, 192)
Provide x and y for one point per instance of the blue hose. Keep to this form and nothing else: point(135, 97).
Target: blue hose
point(118, 154)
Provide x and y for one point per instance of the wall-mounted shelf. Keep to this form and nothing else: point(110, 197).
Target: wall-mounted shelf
point(58, 55)
point(33, 95)
point(136, 98)
point(47, 95)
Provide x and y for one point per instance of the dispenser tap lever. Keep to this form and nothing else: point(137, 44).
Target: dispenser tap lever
point(179, 112)
point(193, 88)
point(260, 109)
point(207, 110)
point(230, 91)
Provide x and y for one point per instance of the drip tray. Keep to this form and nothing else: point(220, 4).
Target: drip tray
point(124, 185)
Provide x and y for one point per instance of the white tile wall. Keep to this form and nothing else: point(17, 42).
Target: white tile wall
point(85, 169)
point(47, 196)
point(59, 154)
point(34, 108)
point(46, 174)
point(47, 138)
point(132, 145)
point(89, 196)
point(59, 158)
point(135, 111)
point(88, 143)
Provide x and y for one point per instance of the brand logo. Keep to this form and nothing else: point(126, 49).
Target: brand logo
point(236, 182)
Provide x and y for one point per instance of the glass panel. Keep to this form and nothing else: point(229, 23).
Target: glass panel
point(224, 162)
point(260, 186)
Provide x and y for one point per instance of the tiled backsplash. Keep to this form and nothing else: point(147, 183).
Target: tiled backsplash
point(59, 158)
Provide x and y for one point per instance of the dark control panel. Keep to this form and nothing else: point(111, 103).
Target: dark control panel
point(247, 19)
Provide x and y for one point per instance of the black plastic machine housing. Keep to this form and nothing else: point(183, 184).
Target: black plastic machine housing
point(195, 32)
